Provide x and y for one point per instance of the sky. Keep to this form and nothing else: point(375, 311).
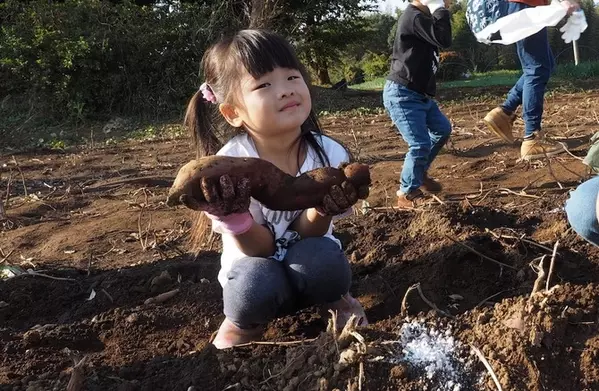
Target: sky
point(389, 6)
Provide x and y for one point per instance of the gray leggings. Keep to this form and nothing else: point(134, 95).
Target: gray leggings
point(314, 271)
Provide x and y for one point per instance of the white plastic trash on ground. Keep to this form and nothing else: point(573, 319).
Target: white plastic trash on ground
point(435, 357)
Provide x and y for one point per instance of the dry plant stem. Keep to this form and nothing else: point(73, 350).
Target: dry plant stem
point(481, 255)
point(482, 358)
point(570, 171)
point(540, 277)
point(108, 295)
point(268, 343)
point(284, 369)
point(6, 257)
point(430, 303)
point(161, 298)
point(483, 301)
point(77, 376)
point(22, 176)
point(404, 301)
point(522, 239)
point(548, 282)
point(473, 196)
point(521, 194)
point(2, 211)
point(34, 273)
point(551, 170)
point(438, 199)
point(8, 190)
point(360, 376)
point(570, 153)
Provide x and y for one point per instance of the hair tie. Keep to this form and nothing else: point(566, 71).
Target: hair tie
point(207, 93)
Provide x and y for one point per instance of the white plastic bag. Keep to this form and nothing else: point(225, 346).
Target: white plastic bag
point(522, 24)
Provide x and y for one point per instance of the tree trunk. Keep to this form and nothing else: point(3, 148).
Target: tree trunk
point(263, 13)
point(323, 72)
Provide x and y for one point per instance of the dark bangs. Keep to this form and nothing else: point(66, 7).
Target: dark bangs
point(262, 51)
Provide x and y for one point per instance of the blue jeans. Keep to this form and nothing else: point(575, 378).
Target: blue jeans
point(314, 271)
point(423, 127)
point(537, 64)
point(581, 209)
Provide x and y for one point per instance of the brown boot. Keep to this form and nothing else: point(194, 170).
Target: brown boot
point(500, 123)
point(411, 200)
point(430, 185)
point(539, 147)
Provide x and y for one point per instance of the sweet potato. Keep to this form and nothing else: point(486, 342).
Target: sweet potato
point(269, 185)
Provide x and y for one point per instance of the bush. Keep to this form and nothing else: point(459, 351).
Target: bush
point(83, 58)
point(375, 65)
point(452, 65)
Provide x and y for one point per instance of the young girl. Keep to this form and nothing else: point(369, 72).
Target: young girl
point(273, 262)
point(422, 28)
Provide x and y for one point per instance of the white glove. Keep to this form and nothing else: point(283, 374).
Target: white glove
point(433, 5)
point(576, 24)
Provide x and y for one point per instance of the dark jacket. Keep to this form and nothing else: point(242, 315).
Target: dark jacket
point(415, 59)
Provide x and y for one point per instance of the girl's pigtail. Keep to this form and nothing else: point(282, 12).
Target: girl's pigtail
point(199, 120)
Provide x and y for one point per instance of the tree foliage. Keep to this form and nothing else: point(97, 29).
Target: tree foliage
point(81, 58)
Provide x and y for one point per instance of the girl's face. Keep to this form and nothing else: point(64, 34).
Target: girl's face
point(276, 103)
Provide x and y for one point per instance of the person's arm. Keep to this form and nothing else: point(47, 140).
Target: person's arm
point(310, 223)
point(258, 241)
point(435, 30)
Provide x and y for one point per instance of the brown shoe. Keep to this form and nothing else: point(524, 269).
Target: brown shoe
point(500, 123)
point(411, 200)
point(430, 185)
point(539, 147)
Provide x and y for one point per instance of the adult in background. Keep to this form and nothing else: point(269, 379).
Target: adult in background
point(537, 63)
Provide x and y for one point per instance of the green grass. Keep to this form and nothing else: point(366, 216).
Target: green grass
point(565, 72)
point(493, 78)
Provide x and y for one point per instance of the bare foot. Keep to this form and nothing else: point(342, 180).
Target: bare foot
point(346, 307)
point(229, 335)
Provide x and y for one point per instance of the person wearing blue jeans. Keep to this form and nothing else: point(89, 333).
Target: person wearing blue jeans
point(537, 61)
point(423, 28)
point(424, 128)
point(582, 208)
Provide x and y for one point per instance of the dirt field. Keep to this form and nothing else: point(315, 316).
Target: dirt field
point(96, 219)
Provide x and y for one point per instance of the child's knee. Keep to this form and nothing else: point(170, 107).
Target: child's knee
point(255, 291)
point(581, 210)
point(321, 271)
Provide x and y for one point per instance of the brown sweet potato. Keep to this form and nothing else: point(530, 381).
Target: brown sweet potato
point(269, 185)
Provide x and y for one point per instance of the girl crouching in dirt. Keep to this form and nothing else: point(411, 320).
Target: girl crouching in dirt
point(582, 209)
point(409, 90)
point(256, 97)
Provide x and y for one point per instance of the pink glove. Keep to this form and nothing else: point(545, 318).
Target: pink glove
point(235, 223)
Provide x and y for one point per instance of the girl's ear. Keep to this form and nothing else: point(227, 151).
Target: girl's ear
point(231, 114)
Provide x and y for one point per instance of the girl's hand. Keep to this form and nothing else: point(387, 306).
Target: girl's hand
point(221, 198)
point(340, 198)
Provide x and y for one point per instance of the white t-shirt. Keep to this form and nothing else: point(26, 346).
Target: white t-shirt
point(277, 221)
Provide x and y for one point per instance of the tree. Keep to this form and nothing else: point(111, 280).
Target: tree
point(322, 30)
